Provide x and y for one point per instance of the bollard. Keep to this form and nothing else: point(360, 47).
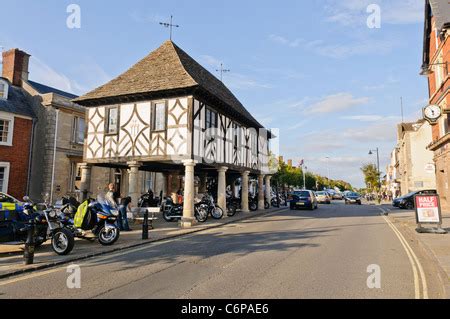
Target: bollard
point(28, 254)
point(145, 226)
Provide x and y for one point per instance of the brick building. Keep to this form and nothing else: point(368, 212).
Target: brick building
point(436, 57)
point(16, 126)
point(58, 135)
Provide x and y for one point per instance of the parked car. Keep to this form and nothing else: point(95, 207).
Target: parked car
point(407, 201)
point(338, 196)
point(323, 198)
point(353, 198)
point(303, 199)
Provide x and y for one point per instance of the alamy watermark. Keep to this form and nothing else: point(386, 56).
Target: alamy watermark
point(74, 19)
point(374, 279)
point(374, 18)
point(74, 278)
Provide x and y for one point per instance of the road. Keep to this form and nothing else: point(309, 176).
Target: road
point(288, 254)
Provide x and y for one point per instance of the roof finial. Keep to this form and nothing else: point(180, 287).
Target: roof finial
point(170, 26)
point(222, 71)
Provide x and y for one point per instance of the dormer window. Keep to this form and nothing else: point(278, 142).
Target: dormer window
point(3, 89)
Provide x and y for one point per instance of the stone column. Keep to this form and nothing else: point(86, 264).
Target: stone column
point(222, 189)
point(188, 219)
point(86, 173)
point(261, 192)
point(268, 189)
point(133, 183)
point(244, 198)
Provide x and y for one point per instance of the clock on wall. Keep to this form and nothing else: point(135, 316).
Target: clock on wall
point(432, 113)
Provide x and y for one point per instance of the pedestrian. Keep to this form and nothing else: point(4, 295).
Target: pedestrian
point(123, 214)
point(111, 196)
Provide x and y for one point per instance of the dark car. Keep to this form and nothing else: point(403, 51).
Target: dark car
point(407, 201)
point(303, 199)
point(353, 198)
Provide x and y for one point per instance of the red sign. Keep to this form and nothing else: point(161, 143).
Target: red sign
point(428, 209)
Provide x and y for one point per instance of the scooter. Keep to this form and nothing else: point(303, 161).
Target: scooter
point(98, 217)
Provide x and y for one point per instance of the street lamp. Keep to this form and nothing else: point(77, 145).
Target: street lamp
point(371, 152)
point(426, 70)
point(328, 171)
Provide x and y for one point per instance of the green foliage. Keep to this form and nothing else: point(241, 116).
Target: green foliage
point(293, 177)
point(371, 176)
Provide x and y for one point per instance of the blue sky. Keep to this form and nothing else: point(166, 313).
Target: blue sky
point(313, 69)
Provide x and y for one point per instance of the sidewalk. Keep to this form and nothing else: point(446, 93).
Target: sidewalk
point(11, 257)
point(437, 245)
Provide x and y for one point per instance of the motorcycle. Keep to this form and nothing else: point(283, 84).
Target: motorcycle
point(98, 217)
point(148, 200)
point(174, 212)
point(46, 225)
point(214, 210)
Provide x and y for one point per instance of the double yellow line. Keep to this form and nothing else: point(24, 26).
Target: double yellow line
point(418, 272)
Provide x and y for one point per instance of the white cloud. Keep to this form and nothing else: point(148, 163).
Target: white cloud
point(44, 74)
point(369, 118)
point(353, 12)
point(141, 17)
point(210, 61)
point(340, 50)
point(335, 103)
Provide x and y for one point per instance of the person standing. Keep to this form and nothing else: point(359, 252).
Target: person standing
point(111, 196)
point(123, 216)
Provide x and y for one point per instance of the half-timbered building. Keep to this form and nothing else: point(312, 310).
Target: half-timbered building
point(168, 114)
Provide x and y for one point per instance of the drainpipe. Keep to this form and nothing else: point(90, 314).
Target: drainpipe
point(54, 156)
point(30, 156)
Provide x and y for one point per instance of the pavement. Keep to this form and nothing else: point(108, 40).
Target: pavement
point(11, 257)
point(435, 245)
point(324, 254)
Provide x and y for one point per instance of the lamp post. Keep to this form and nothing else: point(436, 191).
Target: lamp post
point(328, 171)
point(371, 152)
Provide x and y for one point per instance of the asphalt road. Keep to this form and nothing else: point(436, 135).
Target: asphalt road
point(288, 254)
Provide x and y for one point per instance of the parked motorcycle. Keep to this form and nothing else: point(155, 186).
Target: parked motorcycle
point(214, 210)
point(148, 200)
point(98, 217)
point(173, 212)
point(233, 204)
point(46, 225)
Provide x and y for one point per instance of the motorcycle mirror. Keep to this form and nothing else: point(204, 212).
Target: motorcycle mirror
point(26, 199)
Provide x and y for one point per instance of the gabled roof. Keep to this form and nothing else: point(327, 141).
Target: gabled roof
point(44, 89)
point(441, 12)
point(17, 101)
point(166, 69)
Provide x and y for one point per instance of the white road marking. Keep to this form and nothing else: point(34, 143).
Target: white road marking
point(413, 260)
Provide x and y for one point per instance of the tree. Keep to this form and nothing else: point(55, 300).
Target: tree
point(371, 176)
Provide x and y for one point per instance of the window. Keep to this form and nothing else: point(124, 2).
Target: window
point(211, 123)
point(113, 121)
point(75, 177)
point(237, 135)
point(78, 130)
point(159, 121)
point(443, 125)
point(3, 90)
point(6, 130)
point(4, 177)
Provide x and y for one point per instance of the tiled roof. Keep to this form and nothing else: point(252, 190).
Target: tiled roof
point(44, 89)
point(17, 102)
point(165, 69)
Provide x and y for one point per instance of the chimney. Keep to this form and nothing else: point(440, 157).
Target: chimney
point(15, 66)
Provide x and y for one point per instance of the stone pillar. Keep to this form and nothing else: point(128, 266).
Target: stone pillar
point(244, 196)
point(86, 173)
point(188, 219)
point(268, 189)
point(222, 189)
point(261, 192)
point(133, 183)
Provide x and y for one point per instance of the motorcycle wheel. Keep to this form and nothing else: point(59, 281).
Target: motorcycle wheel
point(108, 237)
point(201, 215)
point(266, 205)
point(167, 217)
point(217, 212)
point(63, 242)
point(253, 206)
point(231, 210)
